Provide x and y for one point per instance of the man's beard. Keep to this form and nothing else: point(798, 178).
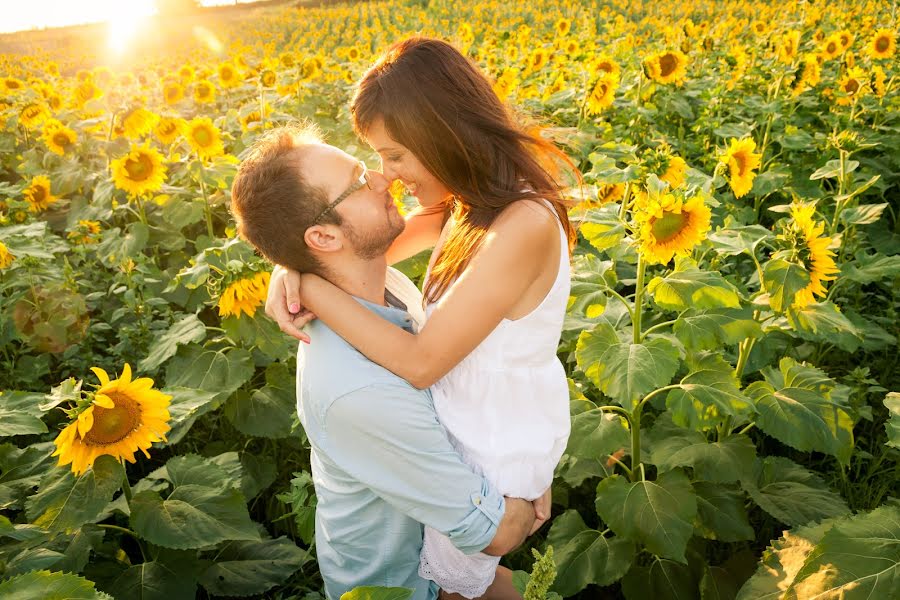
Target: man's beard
point(373, 244)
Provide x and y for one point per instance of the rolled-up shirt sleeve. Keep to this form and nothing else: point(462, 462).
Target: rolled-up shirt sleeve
point(388, 437)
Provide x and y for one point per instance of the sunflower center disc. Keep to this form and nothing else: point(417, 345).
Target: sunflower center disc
point(202, 137)
point(667, 64)
point(882, 43)
point(140, 169)
point(112, 425)
point(669, 226)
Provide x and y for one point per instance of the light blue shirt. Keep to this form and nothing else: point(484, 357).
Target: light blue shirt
point(382, 467)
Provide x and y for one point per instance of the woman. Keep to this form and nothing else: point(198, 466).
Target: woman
point(497, 283)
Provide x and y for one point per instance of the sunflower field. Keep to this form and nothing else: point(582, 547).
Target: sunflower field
point(731, 340)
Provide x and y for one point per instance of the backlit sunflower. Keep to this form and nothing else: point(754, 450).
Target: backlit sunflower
point(310, 69)
point(139, 172)
point(741, 162)
point(204, 92)
point(244, 295)
point(267, 78)
point(602, 94)
point(831, 47)
point(6, 257)
point(204, 137)
point(167, 129)
point(253, 119)
point(812, 249)
point(59, 138)
point(33, 114)
point(123, 416)
point(173, 92)
point(38, 194)
point(84, 92)
point(228, 76)
point(883, 44)
point(667, 67)
point(669, 224)
point(186, 74)
point(138, 122)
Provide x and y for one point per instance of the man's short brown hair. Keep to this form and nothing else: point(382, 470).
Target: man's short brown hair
point(272, 202)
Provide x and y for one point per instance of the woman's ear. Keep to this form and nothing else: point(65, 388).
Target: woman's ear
point(323, 238)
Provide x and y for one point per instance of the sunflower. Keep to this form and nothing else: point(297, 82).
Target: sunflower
point(204, 92)
point(606, 194)
point(674, 174)
point(538, 59)
point(124, 416)
point(167, 129)
point(38, 194)
point(787, 49)
point(562, 27)
point(58, 137)
point(845, 38)
point(33, 114)
point(173, 92)
point(506, 83)
point(604, 64)
point(883, 44)
point(602, 94)
point(11, 84)
point(228, 75)
point(353, 53)
point(244, 295)
point(286, 59)
point(558, 85)
point(267, 78)
point(6, 257)
point(741, 162)
point(186, 74)
point(809, 76)
point(310, 69)
point(253, 119)
point(831, 47)
point(85, 232)
point(668, 67)
point(852, 85)
point(204, 137)
point(669, 224)
point(138, 122)
point(812, 248)
point(139, 172)
point(85, 92)
point(877, 81)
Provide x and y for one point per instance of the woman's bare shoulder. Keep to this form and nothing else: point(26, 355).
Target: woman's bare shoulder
point(530, 218)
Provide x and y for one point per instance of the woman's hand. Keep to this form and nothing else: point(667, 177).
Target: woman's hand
point(283, 303)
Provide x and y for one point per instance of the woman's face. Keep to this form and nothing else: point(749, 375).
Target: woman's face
point(397, 162)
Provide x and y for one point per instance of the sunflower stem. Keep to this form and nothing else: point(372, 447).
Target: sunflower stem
point(142, 215)
point(207, 207)
point(638, 300)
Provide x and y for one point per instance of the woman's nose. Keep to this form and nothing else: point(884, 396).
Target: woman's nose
point(380, 181)
point(388, 172)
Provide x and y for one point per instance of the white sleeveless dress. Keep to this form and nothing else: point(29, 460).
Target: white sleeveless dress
point(506, 409)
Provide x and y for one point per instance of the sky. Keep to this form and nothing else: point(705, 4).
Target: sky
point(17, 15)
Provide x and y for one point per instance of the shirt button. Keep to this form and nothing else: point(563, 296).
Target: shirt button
point(477, 499)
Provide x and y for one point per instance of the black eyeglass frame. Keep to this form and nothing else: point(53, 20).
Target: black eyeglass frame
point(356, 185)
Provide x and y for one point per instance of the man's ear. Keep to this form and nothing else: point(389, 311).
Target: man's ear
point(323, 238)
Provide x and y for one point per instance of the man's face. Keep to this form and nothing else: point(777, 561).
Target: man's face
point(371, 221)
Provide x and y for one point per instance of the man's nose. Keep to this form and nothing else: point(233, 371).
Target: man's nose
point(379, 181)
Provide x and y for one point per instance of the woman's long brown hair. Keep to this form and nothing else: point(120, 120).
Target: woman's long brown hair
point(437, 104)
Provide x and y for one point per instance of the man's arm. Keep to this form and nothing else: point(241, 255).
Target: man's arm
point(388, 437)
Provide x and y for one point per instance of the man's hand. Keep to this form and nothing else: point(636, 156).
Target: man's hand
point(518, 519)
point(542, 507)
point(283, 303)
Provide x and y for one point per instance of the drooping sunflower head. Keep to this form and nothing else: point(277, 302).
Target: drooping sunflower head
point(244, 295)
point(33, 114)
point(168, 129)
point(670, 223)
point(204, 137)
point(810, 247)
point(602, 94)
point(139, 172)
point(122, 417)
point(38, 194)
point(883, 44)
point(138, 122)
point(742, 163)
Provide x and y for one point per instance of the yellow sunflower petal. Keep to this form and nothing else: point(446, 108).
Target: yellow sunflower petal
point(101, 375)
point(104, 401)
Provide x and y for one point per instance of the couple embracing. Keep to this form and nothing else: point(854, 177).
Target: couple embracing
point(435, 423)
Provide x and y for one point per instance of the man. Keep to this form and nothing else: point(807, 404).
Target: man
point(382, 464)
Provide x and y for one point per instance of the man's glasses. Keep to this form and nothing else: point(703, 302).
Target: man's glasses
point(356, 185)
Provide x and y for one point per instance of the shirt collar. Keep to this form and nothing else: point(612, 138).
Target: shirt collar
point(396, 313)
